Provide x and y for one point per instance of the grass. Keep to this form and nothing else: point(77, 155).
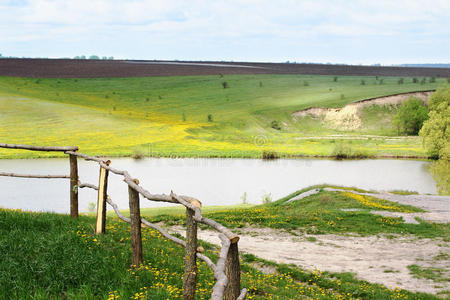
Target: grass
point(403, 192)
point(432, 273)
point(50, 256)
point(192, 116)
point(323, 213)
point(177, 210)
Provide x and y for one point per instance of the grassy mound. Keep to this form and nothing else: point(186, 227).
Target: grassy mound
point(325, 212)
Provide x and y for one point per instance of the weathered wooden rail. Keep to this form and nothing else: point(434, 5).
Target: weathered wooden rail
point(226, 269)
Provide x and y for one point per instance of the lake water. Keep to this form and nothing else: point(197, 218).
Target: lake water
point(212, 181)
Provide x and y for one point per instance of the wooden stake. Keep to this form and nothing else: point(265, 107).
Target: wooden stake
point(190, 258)
point(73, 186)
point(233, 272)
point(135, 216)
point(101, 200)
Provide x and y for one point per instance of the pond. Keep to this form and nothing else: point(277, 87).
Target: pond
point(212, 181)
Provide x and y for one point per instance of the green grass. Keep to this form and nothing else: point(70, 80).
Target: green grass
point(321, 214)
point(432, 273)
point(179, 210)
point(50, 256)
point(403, 192)
point(168, 116)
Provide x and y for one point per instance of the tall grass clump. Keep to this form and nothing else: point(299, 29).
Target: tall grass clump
point(345, 151)
point(266, 154)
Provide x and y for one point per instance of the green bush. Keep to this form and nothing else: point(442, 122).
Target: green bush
point(275, 125)
point(410, 117)
point(435, 131)
point(269, 155)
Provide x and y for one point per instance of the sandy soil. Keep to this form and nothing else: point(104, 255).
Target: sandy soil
point(349, 116)
point(377, 259)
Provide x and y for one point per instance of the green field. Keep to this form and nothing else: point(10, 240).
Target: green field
point(168, 116)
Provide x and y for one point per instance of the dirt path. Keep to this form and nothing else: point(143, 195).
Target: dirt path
point(376, 259)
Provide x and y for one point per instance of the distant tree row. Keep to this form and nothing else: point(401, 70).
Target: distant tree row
point(94, 57)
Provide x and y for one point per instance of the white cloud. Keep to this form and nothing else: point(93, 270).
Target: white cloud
point(294, 23)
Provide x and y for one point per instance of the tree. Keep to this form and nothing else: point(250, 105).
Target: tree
point(410, 116)
point(435, 131)
point(94, 57)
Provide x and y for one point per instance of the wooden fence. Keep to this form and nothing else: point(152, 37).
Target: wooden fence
point(227, 268)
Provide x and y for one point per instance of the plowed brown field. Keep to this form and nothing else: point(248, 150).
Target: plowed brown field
point(66, 68)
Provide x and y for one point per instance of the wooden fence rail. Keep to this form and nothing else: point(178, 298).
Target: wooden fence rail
point(226, 269)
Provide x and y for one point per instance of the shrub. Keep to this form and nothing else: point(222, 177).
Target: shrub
point(210, 118)
point(269, 155)
point(432, 79)
point(400, 81)
point(423, 81)
point(260, 84)
point(225, 84)
point(266, 198)
point(410, 116)
point(345, 151)
point(363, 82)
point(305, 83)
point(138, 154)
point(342, 96)
point(381, 81)
point(183, 117)
point(275, 125)
point(415, 80)
point(92, 206)
point(335, 79)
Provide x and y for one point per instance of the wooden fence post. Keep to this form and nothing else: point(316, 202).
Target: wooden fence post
point(190, 258)
point(73, 186)
point(101, 200)
point(233, 272)
point(135, 216)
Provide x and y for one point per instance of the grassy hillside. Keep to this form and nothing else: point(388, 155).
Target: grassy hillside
point(191, 115)
point(49, 256)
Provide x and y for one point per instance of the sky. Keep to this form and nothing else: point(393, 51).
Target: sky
point(335, 31)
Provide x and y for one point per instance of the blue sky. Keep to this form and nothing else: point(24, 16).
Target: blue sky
point(356, 32)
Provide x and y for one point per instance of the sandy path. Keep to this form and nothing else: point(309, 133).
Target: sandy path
point(375, 259)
